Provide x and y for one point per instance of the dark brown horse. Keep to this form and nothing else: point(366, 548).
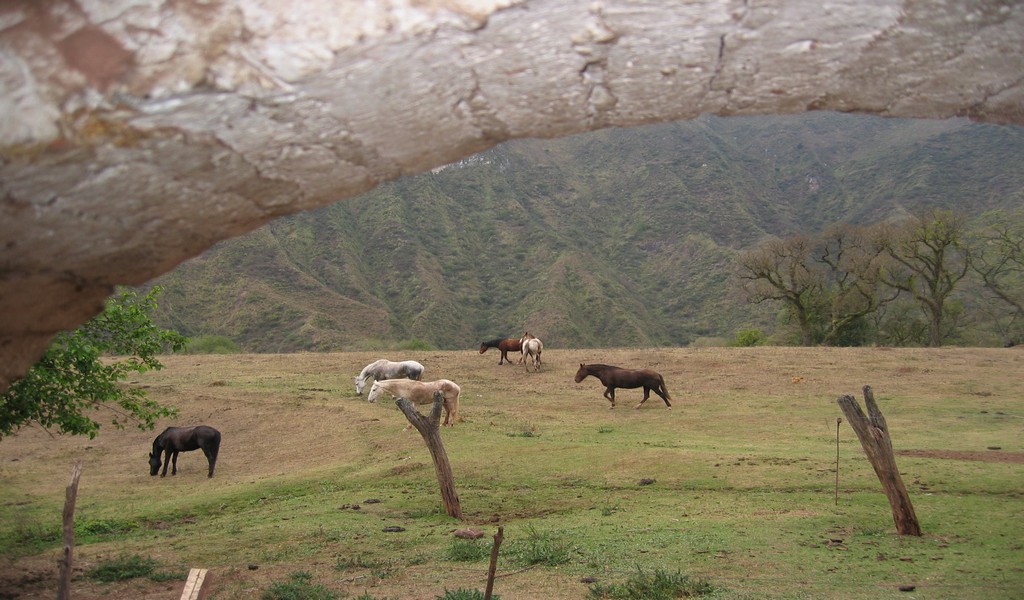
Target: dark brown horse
point(616, 377)
point(505, 345)
point(184, 439)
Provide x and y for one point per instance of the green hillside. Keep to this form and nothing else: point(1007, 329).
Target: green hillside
point(612, 238)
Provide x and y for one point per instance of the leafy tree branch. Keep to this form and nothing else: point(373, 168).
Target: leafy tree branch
point(83, 373)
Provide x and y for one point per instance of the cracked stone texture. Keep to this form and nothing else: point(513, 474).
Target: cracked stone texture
point(135, 134)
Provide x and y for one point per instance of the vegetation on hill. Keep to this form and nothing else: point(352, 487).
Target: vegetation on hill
point(620, 237)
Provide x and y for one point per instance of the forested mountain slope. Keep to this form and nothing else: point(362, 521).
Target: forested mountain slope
point(612, 238)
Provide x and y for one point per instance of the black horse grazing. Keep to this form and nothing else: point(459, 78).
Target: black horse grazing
point(613, 377)
point(506, 345)
point(184, 439)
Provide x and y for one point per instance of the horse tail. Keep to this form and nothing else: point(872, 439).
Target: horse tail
point(451, 386)
point(664, 389)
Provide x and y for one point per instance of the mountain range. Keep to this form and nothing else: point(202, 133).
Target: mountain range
point(619, 237)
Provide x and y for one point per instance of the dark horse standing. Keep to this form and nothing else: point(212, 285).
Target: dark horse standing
point(506, 345)
point(184, 439)
point(613, 377)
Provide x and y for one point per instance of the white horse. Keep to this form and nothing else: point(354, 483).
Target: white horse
point(383, 369)
point(421, 392)
point(531, 348)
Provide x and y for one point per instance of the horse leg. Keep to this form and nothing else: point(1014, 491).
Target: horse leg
point(663, 392)
point(609, 393)
point(647, 394)
point(211, 458)
point(174, 463)
point(167, 459)
point(503, 357)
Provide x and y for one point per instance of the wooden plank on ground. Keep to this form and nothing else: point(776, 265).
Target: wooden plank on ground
point(196, 585)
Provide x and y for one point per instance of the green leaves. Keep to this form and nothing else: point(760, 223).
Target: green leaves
point(84, 370)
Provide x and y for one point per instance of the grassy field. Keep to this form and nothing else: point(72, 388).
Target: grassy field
point(743, 469)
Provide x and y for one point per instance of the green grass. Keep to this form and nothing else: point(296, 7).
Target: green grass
point(133, 566)
point(743, 496)
point(299, 586)
point(658, 585)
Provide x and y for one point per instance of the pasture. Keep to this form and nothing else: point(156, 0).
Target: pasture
point(735, 484)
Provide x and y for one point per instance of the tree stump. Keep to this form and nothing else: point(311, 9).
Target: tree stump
point(874, 438)
point(430, 428)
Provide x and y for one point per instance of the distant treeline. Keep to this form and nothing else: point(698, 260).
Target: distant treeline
point(927, 280)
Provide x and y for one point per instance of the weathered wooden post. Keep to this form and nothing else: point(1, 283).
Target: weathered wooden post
point(493, 567)
point(430, 428)
point(874, 437)
point(71, 496)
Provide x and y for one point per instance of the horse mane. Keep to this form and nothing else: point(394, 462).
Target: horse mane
point(366, 370)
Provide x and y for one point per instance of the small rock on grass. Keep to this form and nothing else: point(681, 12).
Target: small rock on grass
point(469, 533)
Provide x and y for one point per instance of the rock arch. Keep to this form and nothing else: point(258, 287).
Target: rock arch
point(134, 135)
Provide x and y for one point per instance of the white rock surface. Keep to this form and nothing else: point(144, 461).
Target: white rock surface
point(134, 134)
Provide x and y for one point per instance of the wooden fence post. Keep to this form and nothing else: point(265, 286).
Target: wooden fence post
point(430, 428)
point(493, 567)
point(70, 497)
point(874, 438)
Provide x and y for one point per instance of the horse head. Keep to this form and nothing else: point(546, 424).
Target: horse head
point(582, 373)
point(374, 392)
point(360, 382)
point(154, 462)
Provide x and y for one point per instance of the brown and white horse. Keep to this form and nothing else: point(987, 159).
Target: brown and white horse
point(531, 347)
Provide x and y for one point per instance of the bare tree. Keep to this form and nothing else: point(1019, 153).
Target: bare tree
point(854, 283)
point(998, 259)
point(929, 258)
point(784, 269)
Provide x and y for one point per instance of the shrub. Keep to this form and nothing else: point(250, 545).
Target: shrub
point(415, 344)
point(212, 344)
point(659, 585)
point(541, 549)
point(299, 586)
point(98, 527)
point(746, 338)
point(122, 568)
point(467, 550)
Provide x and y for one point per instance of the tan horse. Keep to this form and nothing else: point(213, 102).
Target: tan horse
point(421, 392)
point(531, 347)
